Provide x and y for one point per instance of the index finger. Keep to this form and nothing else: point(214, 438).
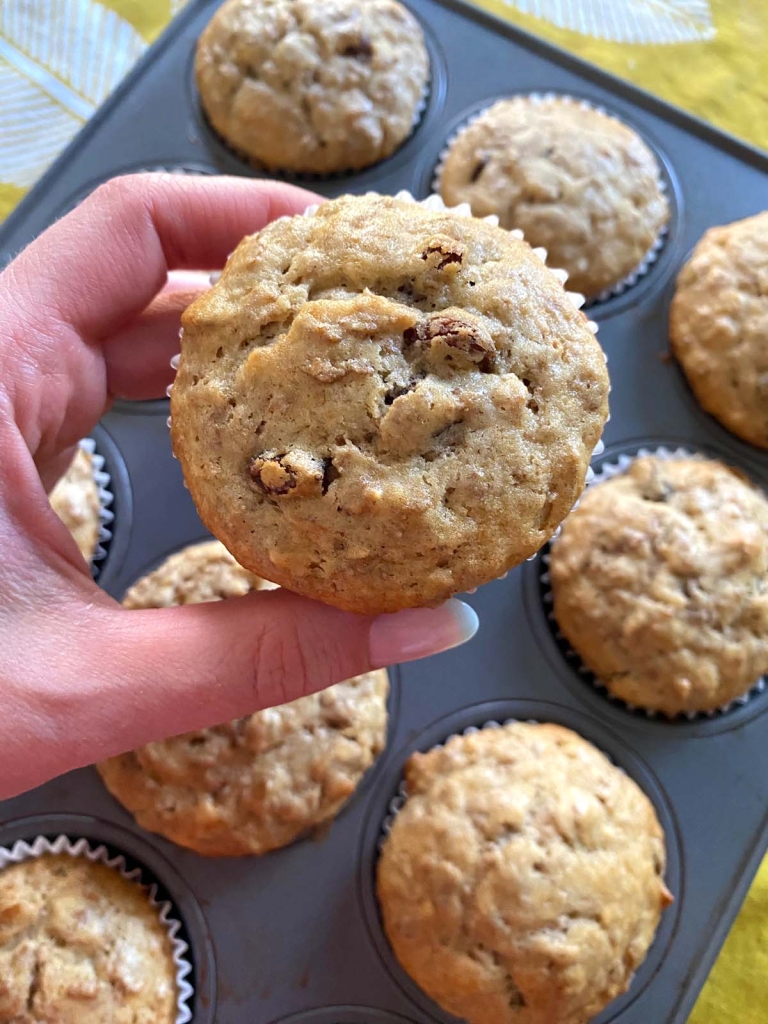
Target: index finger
point(106, 260)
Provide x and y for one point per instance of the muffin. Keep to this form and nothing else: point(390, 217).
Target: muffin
point(523, 880)
point(79, 944)
point(313, 86)
point(719, 326)
point(382, 404)
point(575, 181)
point(75, 500)
point(259, 782)
point(660, 584)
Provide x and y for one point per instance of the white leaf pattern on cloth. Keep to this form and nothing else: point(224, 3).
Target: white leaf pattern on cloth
point(627, 21)
point(59, 59)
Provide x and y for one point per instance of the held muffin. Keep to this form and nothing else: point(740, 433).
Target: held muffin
point(383, 404)
point(523, 880)
point(574, 180)
point(719, 325)
point(79, 944)
point(660, 584)
point(75, 500)
point(259, 782)
point(313, 86)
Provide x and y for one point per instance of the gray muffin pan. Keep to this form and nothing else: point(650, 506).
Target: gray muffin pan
point(295, 936)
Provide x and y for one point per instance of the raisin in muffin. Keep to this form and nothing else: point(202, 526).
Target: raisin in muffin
point(523, 880)
point(383, 404)
point(719, 325)
point(660, 583)
point(313, 85)
point(75, 500)
point(259, 782)
point(575, 181)
point(79, 944)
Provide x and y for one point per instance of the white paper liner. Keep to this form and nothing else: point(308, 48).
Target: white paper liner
point(23, 850)
point(106, 516)
point(630, 279)
point(608, 471)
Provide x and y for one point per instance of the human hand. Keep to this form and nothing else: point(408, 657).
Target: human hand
point(88, 313)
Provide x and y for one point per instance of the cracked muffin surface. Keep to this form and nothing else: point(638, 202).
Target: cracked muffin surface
point(523, 880)
point(381, 405)
point(660, 583)
point(575, 181)
point(315, 86)
point(719, 325)
point(79, 944)
point(259, 782)
point(75, 500)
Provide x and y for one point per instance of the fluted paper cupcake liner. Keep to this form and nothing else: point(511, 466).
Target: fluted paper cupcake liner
point(41, 846)
point(608, 471)
point(106, 516)
point(630, 279)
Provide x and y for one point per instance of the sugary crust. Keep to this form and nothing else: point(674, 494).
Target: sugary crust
point(308, 86)
point(576, 181)
point(382, 405)
point(719, 325)
point(522, 882)
point(660, 583)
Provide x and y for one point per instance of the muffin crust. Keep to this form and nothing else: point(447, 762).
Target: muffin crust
point(315, 86)
point(575, 181)
point(660, 583)
point(719, 326)
point(522, 882)
point(382, 405)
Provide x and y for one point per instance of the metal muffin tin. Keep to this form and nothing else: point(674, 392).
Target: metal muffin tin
point(295, 937)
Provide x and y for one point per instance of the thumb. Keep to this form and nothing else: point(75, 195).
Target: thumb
point(143, 675)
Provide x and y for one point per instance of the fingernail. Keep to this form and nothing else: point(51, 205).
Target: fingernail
point(418, 632)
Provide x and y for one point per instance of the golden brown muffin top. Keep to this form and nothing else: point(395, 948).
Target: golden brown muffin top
point(522, 881)
point(719, 325)
point(575, 181)
point(312, 85)
point(382, 405)
point(79, 944)
point(660, 582)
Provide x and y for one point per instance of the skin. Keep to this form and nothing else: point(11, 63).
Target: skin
point(88, 313)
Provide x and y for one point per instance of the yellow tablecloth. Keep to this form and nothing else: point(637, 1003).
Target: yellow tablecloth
point(60, 58)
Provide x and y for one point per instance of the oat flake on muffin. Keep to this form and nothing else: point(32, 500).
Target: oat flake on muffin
point(315, 86)
point(660, 584)
point(575, 181)
point(523, 880)
point(719, 325)
point(382, 405)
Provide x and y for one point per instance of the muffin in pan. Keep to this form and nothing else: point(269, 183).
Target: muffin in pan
point(719, 325)
point(522, 881)
point(313, 86)
point(80, 944)
point(259, 782)
point(75, 500)
point(384, 404)
point(660, 583)
point(574, 180)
